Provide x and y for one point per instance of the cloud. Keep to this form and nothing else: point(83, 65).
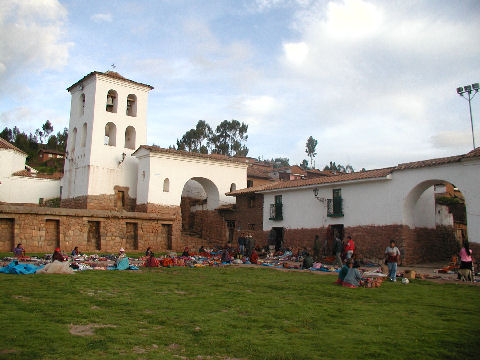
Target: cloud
point(296, 53)
point(99, 18)
point(452, 139)
point(16, 116)
point(35, 40)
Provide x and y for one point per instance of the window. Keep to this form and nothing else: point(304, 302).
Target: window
point(82, 104)
point(166, 185)
point(335, 205)
point(84, 135)
point(110, 134)
point(73, 139)
point(131, 105)
point(251, 202)
point(112, 101)
point(249, 183)
point(251, 226)
point(130, 138)
point(233, 187)
point(276, 209)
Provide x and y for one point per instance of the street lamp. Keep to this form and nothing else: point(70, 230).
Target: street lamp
point(468, 89)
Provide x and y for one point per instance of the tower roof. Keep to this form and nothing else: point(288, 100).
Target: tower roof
point(111, 74)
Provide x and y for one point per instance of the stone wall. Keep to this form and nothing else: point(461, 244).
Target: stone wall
point(42, 229)
point(210, 226)
point(102, 202)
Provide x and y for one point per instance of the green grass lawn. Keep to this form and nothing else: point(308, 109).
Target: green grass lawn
point(242, 313)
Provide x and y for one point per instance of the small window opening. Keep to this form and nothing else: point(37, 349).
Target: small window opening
point(131, 105)
point(166, 185)
point(74, 139)
point(84, 135)
point(251, 202)
point(82, 104)
point(130, 138)
point(233, 187)
point(112, 100)
point(110, 134)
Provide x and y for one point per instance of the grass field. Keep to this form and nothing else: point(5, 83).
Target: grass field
point(232, 313)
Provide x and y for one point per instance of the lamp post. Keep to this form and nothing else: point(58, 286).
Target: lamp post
point(468, 89)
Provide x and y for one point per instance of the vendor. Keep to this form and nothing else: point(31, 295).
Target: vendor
point(254, 257)
point(122, 260)
point(75, 251)
point(354, 276)
point(19, 251)
point(226, 258)
point(148, 251)
point(151, 261)
point(307, 261)
point(343, 272)
point(185, 252)
point(57, 255)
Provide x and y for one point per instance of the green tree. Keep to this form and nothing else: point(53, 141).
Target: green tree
point(304, 164)
point(339, 168)
point(47, 129)
point(229, 138)
point(310, 149)
point(280, 162)
point(197, 139)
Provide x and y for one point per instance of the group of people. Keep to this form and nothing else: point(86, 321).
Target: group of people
point(347, 249)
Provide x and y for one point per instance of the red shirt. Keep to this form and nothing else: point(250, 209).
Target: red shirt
point(350, 246)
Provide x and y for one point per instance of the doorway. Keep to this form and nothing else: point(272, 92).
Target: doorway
point(279, 232)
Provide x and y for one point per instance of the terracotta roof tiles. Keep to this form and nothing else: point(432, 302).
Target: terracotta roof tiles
point(4, 144)
point(111, 74)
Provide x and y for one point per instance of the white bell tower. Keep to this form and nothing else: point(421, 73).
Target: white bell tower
point(108, 121)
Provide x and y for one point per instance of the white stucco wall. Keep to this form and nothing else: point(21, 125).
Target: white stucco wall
point(216, 177)
point(19, 189)
point(102, 164)
point(194, 189)
point(406, 198)
point(443, 216)
point(12, 161)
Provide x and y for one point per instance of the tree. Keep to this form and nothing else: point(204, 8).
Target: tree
point(304, 164)
point(339, 168)
point(310, 149)
point(229, 138)
point(280, 162)
point(47, 129)
point(196, 139)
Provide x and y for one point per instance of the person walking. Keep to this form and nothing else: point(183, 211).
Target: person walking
point(392, 255)
point(337, 250)
point(466, 257)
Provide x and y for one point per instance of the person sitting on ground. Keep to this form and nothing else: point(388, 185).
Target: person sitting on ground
point(75, 251)
point(343, 272)
point(19, 251)
point(307, 261)
point(226, 258)
point(392, 256)
point(122, 262)
point(185, 252)
point(148, 252)
point(254, 257)
point(57, 255)
point(151, 261)
point(353, 277)
point(201, 250)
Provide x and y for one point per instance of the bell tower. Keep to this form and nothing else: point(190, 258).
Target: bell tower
point(108, 121)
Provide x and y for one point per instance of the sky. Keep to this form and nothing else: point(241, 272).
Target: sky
point(373, 81)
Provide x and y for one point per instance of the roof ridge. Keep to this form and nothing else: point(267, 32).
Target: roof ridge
point(4, 144)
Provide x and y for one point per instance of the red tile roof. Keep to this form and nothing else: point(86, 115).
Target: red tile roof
point(355, 176)
point(4, 144)
point(371, 174)
point(26, 173)
point(111, 74)
point(259, 171)
point(216, 157)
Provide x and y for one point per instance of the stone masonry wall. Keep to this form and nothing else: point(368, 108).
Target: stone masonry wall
point(30, 228)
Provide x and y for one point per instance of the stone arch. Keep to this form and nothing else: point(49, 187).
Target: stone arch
point(83, 140)
point(130, 135)
point(166, 185)
point(110, 134)
point(112, 101)
point(211, 193)
point(411, 210)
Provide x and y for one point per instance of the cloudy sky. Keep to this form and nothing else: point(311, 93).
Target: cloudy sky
point(373, 81)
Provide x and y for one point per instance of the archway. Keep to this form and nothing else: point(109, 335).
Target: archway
point(435, 210)
point(198, 194)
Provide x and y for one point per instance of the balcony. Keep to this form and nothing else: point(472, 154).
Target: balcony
point(276, 211)
point(335, 207)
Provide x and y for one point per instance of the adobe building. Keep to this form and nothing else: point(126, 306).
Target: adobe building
point(116, 191)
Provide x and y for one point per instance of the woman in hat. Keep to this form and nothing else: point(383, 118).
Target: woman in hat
point(122, 260)
point(57, 255)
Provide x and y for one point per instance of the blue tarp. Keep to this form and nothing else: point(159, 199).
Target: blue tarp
point(20, 269)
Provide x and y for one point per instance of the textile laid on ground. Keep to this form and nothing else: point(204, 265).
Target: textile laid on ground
point(19, 269)
point(57, 267)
